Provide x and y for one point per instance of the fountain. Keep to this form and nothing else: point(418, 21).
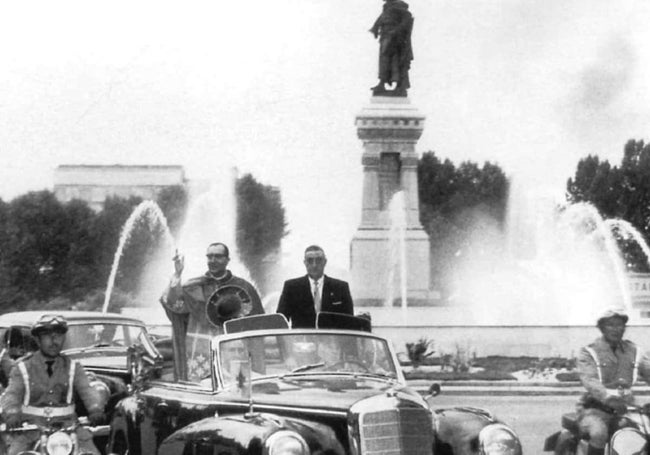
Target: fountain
point(150, 213)
point(534, 288)
point(627, 232)
point(397, 263)
point(211, 217)
point(561, 265)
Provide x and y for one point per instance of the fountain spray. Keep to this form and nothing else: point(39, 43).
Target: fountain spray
point(147, 210)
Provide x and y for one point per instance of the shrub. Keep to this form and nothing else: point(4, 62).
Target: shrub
point(460, 361)
point(568, 377)
point(419, 351)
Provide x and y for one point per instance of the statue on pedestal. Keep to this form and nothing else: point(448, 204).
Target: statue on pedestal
point(393, 27)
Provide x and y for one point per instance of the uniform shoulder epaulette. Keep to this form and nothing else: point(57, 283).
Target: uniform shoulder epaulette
point(25, 357)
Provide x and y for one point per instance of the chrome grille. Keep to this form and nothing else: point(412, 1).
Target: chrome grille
point(406, 431)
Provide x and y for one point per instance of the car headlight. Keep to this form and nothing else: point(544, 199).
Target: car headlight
point(629, 441)
point(286, 443)
point(498, 439)
point(59, 443)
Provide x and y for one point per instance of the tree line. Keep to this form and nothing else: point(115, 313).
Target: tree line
point(59, 255)
point(619, 191)
point(455, 199)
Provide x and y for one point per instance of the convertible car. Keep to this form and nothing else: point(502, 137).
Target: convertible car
point(278, 391)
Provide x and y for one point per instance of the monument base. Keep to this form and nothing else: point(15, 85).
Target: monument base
point(377, 277)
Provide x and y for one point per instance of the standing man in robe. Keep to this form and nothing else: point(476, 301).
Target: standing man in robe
point(198, 308)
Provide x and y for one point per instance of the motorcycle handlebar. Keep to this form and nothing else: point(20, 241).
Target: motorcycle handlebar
point(42, 428)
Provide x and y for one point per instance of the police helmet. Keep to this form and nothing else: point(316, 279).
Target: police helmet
point(612, 312)
point(50, 322)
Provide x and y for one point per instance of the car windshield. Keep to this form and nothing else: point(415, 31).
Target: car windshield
point(297, 354)
point(100, 334)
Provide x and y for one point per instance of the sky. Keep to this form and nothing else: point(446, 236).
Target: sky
point(273, 87)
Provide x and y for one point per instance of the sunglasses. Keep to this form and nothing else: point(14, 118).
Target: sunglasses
point(314, 260)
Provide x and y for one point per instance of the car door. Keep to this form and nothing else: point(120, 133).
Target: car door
point(169, 406)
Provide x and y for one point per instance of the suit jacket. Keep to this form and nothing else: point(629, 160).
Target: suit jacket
point(297, 301)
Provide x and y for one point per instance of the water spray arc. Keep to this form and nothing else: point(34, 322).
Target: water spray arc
point(397, 254)
point(627, 231)
point(145, 210)
point(581, 213)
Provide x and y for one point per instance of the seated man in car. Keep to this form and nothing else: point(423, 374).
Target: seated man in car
point(15, 345)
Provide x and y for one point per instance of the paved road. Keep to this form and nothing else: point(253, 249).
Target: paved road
point(532, 417)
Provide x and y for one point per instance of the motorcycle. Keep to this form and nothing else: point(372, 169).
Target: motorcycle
point(53, 439)
point(630, 435)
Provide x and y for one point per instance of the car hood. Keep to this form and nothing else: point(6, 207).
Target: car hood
point(327, 393)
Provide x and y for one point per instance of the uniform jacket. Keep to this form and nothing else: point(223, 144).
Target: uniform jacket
point(45, 390)
point(297, 301)
point(186, 308)
point(615, 366)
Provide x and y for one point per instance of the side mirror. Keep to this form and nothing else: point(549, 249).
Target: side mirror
point(434, 390)
point(141, 366)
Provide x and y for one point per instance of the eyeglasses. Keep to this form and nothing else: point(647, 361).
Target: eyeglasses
point(216, 256)
point(314, 260)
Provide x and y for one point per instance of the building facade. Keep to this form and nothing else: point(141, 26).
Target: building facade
point(95, 183)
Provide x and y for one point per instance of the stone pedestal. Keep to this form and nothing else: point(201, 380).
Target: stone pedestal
point(389, 128)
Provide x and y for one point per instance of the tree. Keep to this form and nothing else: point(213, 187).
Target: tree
point(173, 201)
point(453, 200)
point(635, 201)
point(6, 289)
point(621, 192)
point(598, 183)
point(261, 224)
point(107, 229)
point(60, 255)
point(46, 250)
point(79, 272)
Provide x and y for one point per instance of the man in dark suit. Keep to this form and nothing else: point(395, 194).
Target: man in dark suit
point(303, 297)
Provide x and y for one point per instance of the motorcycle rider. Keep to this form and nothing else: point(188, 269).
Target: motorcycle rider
point(608, 369)
point(41, 389)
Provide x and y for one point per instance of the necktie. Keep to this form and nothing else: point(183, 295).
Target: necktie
point(316, 297)
point(49, 367)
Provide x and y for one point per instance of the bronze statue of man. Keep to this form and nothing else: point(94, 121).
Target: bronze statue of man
point(393, 27)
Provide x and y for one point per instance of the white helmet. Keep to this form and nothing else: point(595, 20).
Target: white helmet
point(612, 312)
